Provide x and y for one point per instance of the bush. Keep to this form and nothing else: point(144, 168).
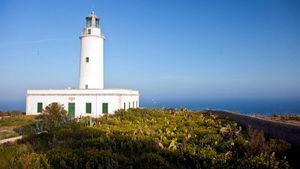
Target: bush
point(53, 116)
point(258, 144)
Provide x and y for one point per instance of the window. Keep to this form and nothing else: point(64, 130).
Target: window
point(97, 23)
point(124, 106)
point(86, 86)
point(88, 107)
point(39, 107)
point(87, 59)
point(132, 104)
point(89, 31)
point(129, 105)
point(88, 22)
point(104, 108)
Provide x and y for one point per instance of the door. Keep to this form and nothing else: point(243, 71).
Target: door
point(104, 108)
point(71, 110)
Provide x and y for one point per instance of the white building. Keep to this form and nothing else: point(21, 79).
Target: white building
point(91, 99)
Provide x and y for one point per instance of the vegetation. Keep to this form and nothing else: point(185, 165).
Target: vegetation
point(11, 122)
point(143, 138)
point(7, 134)
point(11, 113)
point(53, 116)
point(20, 120)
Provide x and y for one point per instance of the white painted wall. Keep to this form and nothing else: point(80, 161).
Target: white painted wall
point(115, 99)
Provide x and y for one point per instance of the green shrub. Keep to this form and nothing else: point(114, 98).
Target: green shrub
point(53, 116)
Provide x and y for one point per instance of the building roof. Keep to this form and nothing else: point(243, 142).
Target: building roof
point(83, 92)
point(92, 15)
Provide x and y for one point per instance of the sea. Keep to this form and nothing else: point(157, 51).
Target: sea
point(243, 106)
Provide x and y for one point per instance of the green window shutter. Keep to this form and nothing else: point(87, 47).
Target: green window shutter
point(71, 110)
point(124, 106)
point(88, 108)
point(39, 107)
point(104, 108)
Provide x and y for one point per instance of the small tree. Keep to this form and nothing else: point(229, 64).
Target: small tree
point(54, 115)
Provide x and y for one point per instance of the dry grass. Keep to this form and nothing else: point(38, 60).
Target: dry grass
point(289, 119)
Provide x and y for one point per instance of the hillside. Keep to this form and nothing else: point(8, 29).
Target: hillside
point(146, 138)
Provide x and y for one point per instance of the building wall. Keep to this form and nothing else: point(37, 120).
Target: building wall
point(115, 102)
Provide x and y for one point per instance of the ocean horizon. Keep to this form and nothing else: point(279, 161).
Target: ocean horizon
point(243, 106)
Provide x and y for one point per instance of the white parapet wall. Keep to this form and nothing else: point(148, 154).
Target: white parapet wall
point(82, 102)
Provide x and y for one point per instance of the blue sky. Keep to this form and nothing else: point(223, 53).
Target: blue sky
point(171, 49)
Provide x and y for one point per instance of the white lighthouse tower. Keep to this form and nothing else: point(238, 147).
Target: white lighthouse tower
point(91, 55)
point(91, 99)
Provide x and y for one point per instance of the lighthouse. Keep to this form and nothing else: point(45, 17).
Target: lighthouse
point(91, 54)
point(91, 98)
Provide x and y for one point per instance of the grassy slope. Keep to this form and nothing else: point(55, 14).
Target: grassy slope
point(144, 138)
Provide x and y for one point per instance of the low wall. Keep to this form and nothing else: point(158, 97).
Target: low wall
point(290, 133)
